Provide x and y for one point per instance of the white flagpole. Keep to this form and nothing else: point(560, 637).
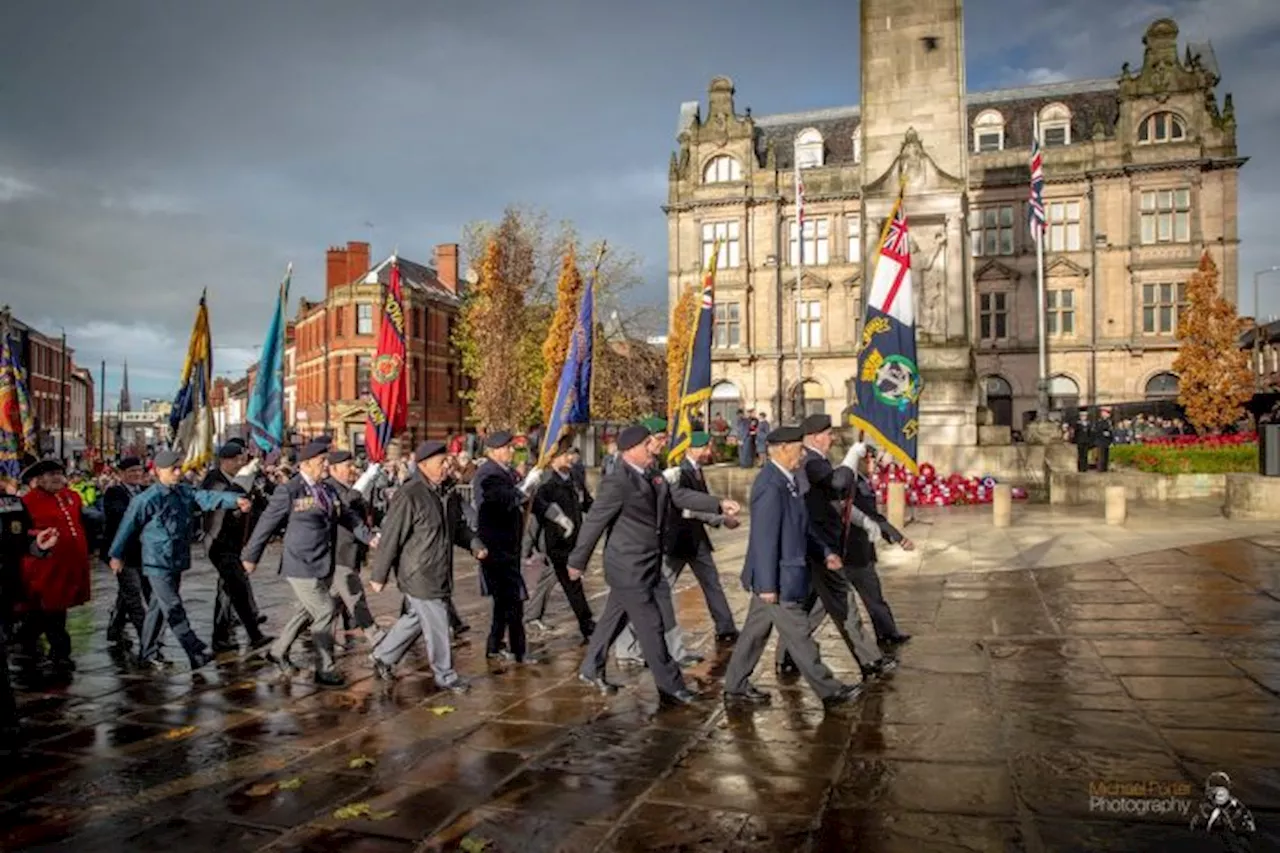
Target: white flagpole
point(799, 392)
point(1042, 229)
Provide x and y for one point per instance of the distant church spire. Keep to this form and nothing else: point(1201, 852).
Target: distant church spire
point(125, 403)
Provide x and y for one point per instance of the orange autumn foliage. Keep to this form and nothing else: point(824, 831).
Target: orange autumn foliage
point(1214, 377)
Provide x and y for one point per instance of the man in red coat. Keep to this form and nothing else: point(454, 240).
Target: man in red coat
point(53, 585)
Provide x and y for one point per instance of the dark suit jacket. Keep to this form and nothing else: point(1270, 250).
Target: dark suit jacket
point(859, 550)
point(825, 493)
point(349, 551)
point(310, 533)
point(224, 529)
point(634, 511)
point(115, 502)
point(556, 490)
point(687, 535)
point(499, 507)
point(782, 541)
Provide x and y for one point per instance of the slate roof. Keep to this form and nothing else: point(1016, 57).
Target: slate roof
point(1089, 101)
point(412, 275)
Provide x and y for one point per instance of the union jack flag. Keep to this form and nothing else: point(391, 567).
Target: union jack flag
point(1036, 200)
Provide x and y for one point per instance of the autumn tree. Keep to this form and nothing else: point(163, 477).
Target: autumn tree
point(556, 346)
point(1214, 378)
point(679, 333)
point(628, 378)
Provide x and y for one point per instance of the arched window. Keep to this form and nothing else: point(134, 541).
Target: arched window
point(725, 402)
point(721, 170)
point(999, 396)
point(1055, 125)
point(1161, 127)
point(1064, 393)
point(808, 148)
point(988, 131)
point(814, 399)
point(1162, 386)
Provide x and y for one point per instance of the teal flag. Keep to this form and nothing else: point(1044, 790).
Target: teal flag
point(266, 401)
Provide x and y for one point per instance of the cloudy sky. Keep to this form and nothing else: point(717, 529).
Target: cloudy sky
point(149, 149)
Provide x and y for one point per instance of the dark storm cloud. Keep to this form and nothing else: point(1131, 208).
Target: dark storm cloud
point(151, 149)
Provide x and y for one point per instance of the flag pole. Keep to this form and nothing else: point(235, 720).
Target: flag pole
point(1042, 385)
point(798, 410)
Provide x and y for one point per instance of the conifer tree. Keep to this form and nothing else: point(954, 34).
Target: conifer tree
point(555, 348)
point(1214, 378)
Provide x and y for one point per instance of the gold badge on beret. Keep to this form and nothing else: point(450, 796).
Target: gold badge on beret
point(16, 527)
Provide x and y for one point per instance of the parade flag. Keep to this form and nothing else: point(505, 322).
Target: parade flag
point(1035, 206)
point(266, 402)
point(695, 391)
point(887, 382)
point(191, 421)
point(389, 396)
point(18, 436)
point(573, 396)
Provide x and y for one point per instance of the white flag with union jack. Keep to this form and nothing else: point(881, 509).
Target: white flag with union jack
point(891, 292)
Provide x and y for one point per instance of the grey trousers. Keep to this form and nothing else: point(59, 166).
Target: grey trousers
point(791, 620)
point(627, 649)
point(425, 617)
point(835, 596)
point(634, 605)
point(315, 609)
point(866, 581)
point(348, 589)
point(703, 566)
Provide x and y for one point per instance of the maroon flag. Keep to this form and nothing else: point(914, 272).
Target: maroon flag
point(389, 397)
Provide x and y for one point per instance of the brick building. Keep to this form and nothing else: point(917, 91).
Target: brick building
point(1141, 178)
point(54, 381)
point(335, 340)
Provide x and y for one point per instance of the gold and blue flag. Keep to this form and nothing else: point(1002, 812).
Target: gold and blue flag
point(573, 395)
point(887, 382)
point(18, 437)
point(266, 402)
point(191, 420)
point(695, 391)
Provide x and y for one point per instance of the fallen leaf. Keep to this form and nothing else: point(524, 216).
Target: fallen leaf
point(382, 815)
point(176, 734)
point(474, 844)
point(441, 710)
point(361, 761)
point(291, 784)
point(262, 789)
point(352, 811)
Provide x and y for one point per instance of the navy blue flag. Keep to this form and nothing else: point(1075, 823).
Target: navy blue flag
point(887, 395)
point(573, 396)
point(695, 391)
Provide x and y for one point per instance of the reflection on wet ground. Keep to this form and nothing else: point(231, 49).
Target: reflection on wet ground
point(1021, 693)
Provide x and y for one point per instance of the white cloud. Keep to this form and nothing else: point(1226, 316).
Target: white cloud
point(12, 188)
point(146, 203)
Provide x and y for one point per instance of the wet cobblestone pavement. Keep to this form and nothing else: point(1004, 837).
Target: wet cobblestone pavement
point(1020, 690)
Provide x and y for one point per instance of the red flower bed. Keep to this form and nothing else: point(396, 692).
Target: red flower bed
point(1230, 440)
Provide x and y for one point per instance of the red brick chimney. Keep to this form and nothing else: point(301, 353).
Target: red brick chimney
point(357, 261)
point(335, 268)
point(446, 264)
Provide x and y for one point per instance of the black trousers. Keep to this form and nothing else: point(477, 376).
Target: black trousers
point(234, 601)
point(133, 591)
point(505, 585)
point(866, 580)
point(639, 608)
point(574, 592)
point(52, 624)
point(1082, 458)
point(1104, 456)
point(703, 566)
point(8, 704)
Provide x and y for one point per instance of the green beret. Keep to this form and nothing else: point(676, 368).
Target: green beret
point(654, 425)
point(699, 439)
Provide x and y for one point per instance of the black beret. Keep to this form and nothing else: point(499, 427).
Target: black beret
point(129, 463)
point(337, 457)
point(233, 448)
point(40, 468)
point(326, 440)
point(168, 459)
point(312, 449)
point(630, 436)
point(427, 449)
point(563, 446)
point(498, 439)
point(815, 424)
point(785, 435)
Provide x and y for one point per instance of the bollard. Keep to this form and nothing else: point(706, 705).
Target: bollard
point(1002, 505)
point(896, 508)
point(1115, 505)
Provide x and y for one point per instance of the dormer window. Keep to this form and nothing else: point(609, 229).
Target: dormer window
point(988, 132)
point(721, 170)
point(808, 148)
point(1161, 127)
point(1055, 126)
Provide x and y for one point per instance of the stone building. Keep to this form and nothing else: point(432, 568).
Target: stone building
point(1141, 177)
point(335, 340)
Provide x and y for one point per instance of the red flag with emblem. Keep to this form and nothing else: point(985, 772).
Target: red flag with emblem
point(388, 392)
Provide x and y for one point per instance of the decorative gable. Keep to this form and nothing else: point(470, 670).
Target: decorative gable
point(811, 282)
point(1061, 267)
point(996, 271)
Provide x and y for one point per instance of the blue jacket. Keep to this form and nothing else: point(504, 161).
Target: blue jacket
point(781, 539)
point(162, 517)
point(310, 533)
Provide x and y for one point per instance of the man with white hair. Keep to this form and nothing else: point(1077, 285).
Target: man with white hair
point(860, 550)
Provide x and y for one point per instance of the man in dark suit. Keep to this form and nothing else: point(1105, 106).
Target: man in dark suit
point(310, 513)
point(1103, 438)
point(860, 551)
point(783, 551)
point(559, 506)
point(349, 552)
point(1082, 436)
point(224, 537)
point(633, 504)
point(827, 498)
point(133, 591)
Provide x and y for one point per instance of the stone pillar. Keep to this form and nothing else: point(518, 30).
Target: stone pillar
point(896, 509)
point(1002, 505)
point(1115, 505)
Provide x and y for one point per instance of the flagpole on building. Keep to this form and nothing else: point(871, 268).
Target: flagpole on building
point(799, 390)
point(1042, 385)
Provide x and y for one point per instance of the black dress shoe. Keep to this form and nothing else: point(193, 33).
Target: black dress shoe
point(284, 665)
point(679, 699)
point(501, 654)
point(330, 679)
point(461, 629)
point(459, 687)
point(896, 639)
point(262, 641)
point(843, 696)
point(202, 660)
point(605, 688)
point(262, 619)
point(728, 638)
point(884, 666)
point(751, 696)
point(788, 667)
point(221, 647)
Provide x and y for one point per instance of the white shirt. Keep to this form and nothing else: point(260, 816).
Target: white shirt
point(791, 478)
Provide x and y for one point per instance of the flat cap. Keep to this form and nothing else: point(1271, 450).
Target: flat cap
point(129, 463)
point(814, 424)
point(631, 436)
point(499, 439)
point(312, 449)
point(40, 468)
point(427, 449)
point(699, 439)
point(233, 448)
point(654, 425)
point(168, 459)
point(784, 435)
point(337, 457)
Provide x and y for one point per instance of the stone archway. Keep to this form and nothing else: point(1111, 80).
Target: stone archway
point(998, 394)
